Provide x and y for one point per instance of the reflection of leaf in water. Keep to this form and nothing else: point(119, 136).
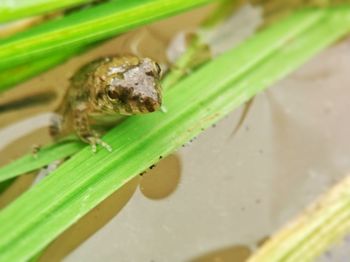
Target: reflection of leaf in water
point(5, 184)
point(33, 100)
point(88, 225)
point(161, 180)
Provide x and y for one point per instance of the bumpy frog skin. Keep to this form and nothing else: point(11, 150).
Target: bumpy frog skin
point(104, 89)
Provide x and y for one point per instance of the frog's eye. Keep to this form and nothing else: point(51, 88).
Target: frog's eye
point(119, 93)
point(113, 95)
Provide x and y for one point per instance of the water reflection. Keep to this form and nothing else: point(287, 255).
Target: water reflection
point(162, 180)
point(238, 253)
point(90, 223)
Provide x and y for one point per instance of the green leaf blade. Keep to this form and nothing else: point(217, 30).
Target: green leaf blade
point(15, 9)
point(85, 27)
point(44, 157)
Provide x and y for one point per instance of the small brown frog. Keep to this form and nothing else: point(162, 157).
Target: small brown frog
point(104, 89)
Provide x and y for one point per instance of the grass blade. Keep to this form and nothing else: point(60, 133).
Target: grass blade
point(44, 157)
point(40, 214)
point(25, 165)
point(15, 9)
point(85, 27)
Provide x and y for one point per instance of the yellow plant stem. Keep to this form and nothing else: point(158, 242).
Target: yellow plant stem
point(314, 231)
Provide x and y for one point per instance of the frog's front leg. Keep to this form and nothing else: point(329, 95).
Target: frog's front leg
point(83, 128)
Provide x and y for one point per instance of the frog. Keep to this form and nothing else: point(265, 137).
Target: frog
point(102, 91)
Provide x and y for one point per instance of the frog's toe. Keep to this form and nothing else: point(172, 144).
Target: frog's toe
point(94, 141)
point(93, 148)
point(104, 144)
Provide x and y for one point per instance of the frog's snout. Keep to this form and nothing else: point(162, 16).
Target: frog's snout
point(128, 101)
point(149, 101)
point(144, 104)
point(150, 104)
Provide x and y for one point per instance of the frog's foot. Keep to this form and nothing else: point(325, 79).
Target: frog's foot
point(55, 127)
point(35, 150)
point(95, 140)
point(85, 133)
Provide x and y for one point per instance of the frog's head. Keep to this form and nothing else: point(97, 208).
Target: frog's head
point(132, 85)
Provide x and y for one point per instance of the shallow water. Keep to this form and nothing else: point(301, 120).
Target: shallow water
point(220, 196)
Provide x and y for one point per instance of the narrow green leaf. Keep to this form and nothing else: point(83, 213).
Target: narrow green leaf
point(42, 213)
point(44, 157)
point(86, 27)
point(15, 9)
point(22, 165)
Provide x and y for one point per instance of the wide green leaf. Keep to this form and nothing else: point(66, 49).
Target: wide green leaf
point(46, 210)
